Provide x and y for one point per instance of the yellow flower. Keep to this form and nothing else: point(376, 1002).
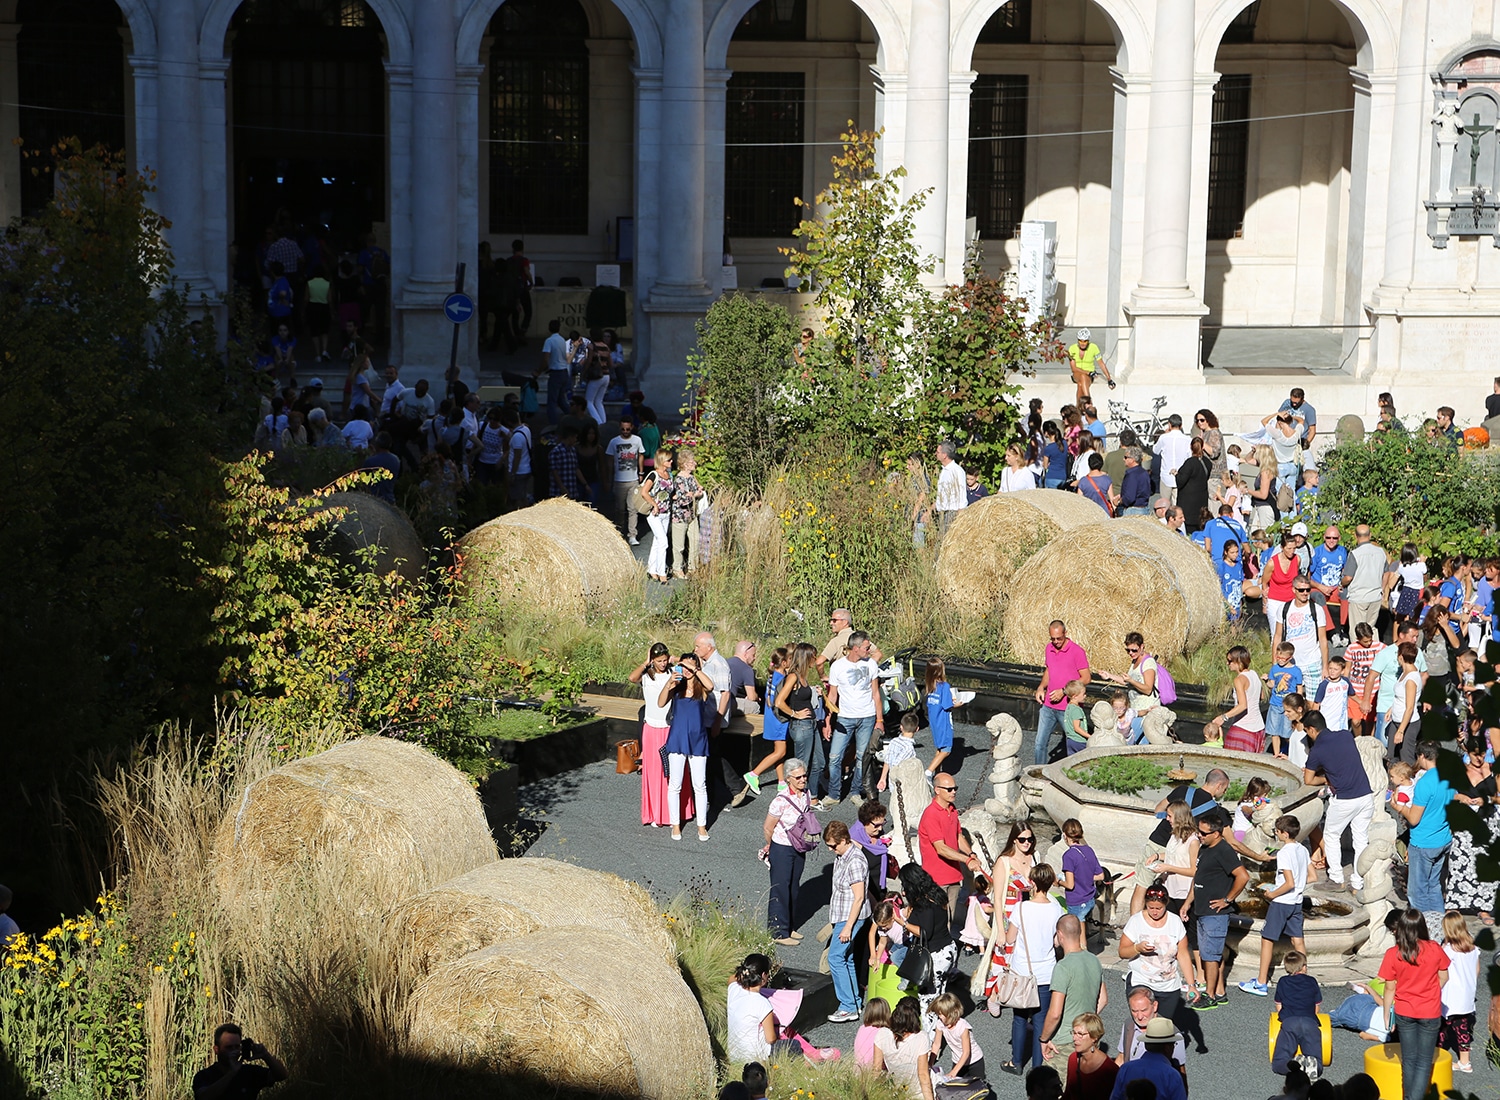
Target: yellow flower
point(156, 970)
point(140, 1004)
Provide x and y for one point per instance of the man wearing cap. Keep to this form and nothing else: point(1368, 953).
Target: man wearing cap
point(310, 399)
point(1087, 357)
point(1155, 1065)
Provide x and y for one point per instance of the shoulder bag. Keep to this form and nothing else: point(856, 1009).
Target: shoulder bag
point(643, 502)
point(1018, 990)
point(917, 969)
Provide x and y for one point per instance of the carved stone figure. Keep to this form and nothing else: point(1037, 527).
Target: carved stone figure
point(911, 791)
point(985, 836)
point(1377, 895)
point(1008, 804)
point(1447, 126)
point(1157, 726)
point(1106, 731)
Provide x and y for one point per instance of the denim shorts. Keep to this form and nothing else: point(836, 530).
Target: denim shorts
point(1283, 918)
point(1278, 725)
point(1212, 928)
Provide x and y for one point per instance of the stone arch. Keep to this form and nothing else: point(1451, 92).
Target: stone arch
point(476, 20)
point(215, 29)
point(1130, 32)
point(1373, 35)
point(890, 38)
point(142, 26)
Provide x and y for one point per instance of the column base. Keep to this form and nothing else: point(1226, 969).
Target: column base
point(673, 321)
point(1165, 338)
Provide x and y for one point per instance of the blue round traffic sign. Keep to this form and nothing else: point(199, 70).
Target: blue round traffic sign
point(458, 308)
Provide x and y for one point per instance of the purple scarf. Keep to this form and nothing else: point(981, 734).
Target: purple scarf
point(858, 834)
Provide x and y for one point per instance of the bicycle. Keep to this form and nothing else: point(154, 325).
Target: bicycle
point(1146, 426)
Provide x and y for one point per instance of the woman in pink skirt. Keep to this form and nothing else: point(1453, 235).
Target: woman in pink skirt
point(655, 674)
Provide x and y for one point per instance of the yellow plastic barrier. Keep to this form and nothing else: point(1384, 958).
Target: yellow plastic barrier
point(1325, 1025)
point(1383, 1062)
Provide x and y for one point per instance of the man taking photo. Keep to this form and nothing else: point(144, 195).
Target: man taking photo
point(235, 1074)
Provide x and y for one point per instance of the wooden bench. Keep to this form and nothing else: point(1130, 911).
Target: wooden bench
point(629, 710)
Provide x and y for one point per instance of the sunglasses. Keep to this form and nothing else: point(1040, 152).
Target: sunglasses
point(945, 788)
point(1302, 591)
point(1208, 832)
point(1132, 649)
point(1025, 840)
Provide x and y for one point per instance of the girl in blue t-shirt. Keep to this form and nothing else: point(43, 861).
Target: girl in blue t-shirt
point(773, 729)
point(1232, 580)
point(941, 700)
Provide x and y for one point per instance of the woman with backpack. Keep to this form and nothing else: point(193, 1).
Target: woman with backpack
point(791, 830)
point(1144, 683)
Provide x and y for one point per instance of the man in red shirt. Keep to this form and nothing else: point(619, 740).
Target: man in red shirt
point(942, 849)
point(1065, 660)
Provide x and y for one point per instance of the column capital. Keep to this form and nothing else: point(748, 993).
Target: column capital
point(141, 64)
point(647, 80)
point(1205, 82)
point(468, 74)
point(398, 74)
point(716, 79)
point(1127, 82)
point(213, 68)
point(1367, 83)
point(961, 82)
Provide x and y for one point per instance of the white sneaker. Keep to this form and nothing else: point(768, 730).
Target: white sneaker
point(634, 541)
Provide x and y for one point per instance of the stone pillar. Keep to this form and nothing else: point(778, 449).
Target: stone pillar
point(890, 117)
point(143, 71)
point(956, 209)
point(218, 190)
point(927, 113)
point(471, 220)
point(398, 214)
point(715, 133)
point(1164, 311)
point(1364, 253)
point(1126, 206)
point(180, 171)
point(647, 205)
point(10, 124)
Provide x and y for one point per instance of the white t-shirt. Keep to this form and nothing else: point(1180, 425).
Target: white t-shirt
point(1158, 972)
point(1173, 449)
point(651, 685)
point(627, 455)
point(555, 348)
point(390, 401)
point(1332, 698)
point(903, 1059)
point(358, 433)
point(1300, 628)
point(520, 443)
point(952, 489)
point(1038, 924)
point(1294, 858)
point(852, 678)
point(1463, 979)
point(493, 443)
point(744, 1035)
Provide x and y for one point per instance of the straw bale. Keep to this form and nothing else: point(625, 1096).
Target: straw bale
point(1106, 579)
point(992, 538)
point(582, 1007)
point(370, 521)
point(559, 556)
point(1196, 574)
point(386, 818)
point(515, 897)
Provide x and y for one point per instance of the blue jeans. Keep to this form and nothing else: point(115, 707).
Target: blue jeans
point(1083, 908)
point(1418, 1050)
point(786, 876)
point(1354, 1013)
point(841, 966)
point(844, 728)
point(816, 750)
point(559, 382)
point(1142, 511)
point(1026, 1030)
point(1299, 1034)
point(1047, 719)
point(1424, 878)
point(1286, 472)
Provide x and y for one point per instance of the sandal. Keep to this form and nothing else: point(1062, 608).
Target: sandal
point(1485, 919)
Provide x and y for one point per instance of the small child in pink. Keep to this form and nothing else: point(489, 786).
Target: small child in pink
point(979, 907)
point(877, 1016)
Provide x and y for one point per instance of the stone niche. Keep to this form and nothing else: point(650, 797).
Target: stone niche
point(1464, 175)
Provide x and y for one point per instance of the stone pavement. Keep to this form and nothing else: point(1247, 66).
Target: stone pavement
point(591, 817)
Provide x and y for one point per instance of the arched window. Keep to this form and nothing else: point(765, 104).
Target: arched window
point(539, 118)
point(71, 83)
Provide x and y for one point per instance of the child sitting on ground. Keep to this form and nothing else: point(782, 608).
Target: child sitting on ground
point(1298, 998)
point(952, 1028)
point(977, 920)
point(877, 1015)
point(900, 748)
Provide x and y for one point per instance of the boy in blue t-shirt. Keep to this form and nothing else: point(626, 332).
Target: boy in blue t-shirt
point(1298, 998)
point(1232, 579)
point(1284, 678)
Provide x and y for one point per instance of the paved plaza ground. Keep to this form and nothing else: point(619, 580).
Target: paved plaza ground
point(591, 817)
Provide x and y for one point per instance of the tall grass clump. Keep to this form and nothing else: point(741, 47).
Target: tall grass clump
point(712, 940)
point(1205, 665)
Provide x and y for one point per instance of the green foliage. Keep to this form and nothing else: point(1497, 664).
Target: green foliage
point(1206, 664)
point(744, 346)
point(1120, 775)
point(1408, 488)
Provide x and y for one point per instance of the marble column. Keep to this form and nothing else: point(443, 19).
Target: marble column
point(434, 167)
point(956, 209)
point(644, 269)
point(1164, 311)
point(928, 103)
point(1132, 106)
point(10, 125)
point(218, 191)
point(471, 220)
point(180, 172)
point(144, 71)
point(1364, 252)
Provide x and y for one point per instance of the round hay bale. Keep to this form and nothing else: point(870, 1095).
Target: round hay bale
point(1196, 575)
point(579, 1007)
point(558, 556)
point(383, 818)
point(515, 897)
point(992, 538)
point(1106, 579)
point(369, 521)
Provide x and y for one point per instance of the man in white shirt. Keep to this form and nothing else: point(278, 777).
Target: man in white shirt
point(1305, 625)
point(1364, 574)
point(854, 691)
point(626, 453)
point(1172, 450)
point(519, 464)
point(390, 401)
point(952, 489)
point(359, 431)
point(555, 364)
point(724, 774)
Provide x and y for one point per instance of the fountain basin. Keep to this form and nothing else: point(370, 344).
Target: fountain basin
point(1333, 930)
point(1118, 825)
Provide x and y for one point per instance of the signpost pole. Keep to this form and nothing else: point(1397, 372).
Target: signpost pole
point(458, 288)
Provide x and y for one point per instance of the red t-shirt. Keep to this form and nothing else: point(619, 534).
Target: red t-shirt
point(1418, 993)
point(1279, 579)
point(940, 824)
point(1063, 665)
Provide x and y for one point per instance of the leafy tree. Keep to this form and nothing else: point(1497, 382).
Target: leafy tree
point(1409, 488)
point(744, 347)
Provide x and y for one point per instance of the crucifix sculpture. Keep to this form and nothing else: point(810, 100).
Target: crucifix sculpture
point(1474, 131)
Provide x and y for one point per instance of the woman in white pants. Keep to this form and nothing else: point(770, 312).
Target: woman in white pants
point(689, 689)
point(657, 490)
point(596, 370)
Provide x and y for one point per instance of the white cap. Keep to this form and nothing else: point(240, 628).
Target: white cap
point(1085, 334)
point(1299, 529)
point(315, 384)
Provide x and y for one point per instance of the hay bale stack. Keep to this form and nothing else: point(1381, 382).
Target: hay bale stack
point(1106, 579)
point(1196, 574)
point(558, 556)
point(515, 897)
point(992, 538)
point(382, 818)
point(369, 521)
point(579, 1007)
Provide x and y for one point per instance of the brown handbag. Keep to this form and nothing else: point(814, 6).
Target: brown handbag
point(627, 757)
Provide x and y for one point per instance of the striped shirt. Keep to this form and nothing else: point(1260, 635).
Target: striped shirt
point(849, 870)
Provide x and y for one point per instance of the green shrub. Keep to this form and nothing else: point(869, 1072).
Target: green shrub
point(1120, 775)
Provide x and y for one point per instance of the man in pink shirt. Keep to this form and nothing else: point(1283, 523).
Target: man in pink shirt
point(1065, 661)
point(941, 847)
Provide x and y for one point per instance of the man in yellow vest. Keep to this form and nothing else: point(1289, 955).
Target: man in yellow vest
point(1086, 358)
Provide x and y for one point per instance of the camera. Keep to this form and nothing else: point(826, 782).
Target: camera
point(250, 1050)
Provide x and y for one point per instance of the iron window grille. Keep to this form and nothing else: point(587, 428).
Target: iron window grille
point(763, 155)
point(997, 154)
point(1228, 157)
point(1010, 24)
